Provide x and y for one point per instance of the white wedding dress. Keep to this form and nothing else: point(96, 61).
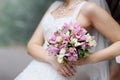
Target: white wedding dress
point(37, 70)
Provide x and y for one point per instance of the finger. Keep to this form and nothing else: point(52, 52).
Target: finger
point(64, 73)
point(71, 69)
point(67, 71)
point(63, 70)
point(58, 68)
point(61, 73)
point(75, 63)
point(72, 64)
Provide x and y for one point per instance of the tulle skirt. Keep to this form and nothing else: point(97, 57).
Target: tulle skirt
point(44, 71)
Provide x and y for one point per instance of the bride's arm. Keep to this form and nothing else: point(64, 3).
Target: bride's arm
point(107, 26)
point(34, 46)
point(36, 50)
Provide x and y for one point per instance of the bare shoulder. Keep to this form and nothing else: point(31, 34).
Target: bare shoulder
point(90, 7)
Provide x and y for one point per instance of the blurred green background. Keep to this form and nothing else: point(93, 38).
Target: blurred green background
point(19, 18)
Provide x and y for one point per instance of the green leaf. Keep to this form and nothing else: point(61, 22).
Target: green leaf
point(70, 31)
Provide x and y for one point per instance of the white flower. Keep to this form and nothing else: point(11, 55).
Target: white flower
point(60, 58)
point(92, 43)
point(78, 44)
point(77, 36)
point(62, 51)
point(88, 38)
point(59, 39)
point(56, 45)
point(68, 33)
point(75, 41)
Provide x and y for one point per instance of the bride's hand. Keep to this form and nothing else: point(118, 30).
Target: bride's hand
point(83, 61)
point(65, 70)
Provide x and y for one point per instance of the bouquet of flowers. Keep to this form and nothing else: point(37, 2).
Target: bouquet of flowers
point(70, 43)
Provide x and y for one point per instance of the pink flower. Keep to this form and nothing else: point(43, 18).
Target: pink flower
point(52, 40)
point(83, 44)
point(53, 50)
point(65, 28)
point(72, 54)
point(73, 58)
point(79, 33)
point(65, 41)
point(82, 38)
point(68, 41)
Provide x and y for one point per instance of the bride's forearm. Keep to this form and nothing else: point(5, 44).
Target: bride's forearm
point(106, 54)
point(38, 52)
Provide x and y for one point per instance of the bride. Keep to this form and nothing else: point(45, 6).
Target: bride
point(94, 19)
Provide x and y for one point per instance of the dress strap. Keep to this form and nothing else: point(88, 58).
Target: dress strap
point(76, 13)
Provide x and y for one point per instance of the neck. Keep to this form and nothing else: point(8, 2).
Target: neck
point(69, 2)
